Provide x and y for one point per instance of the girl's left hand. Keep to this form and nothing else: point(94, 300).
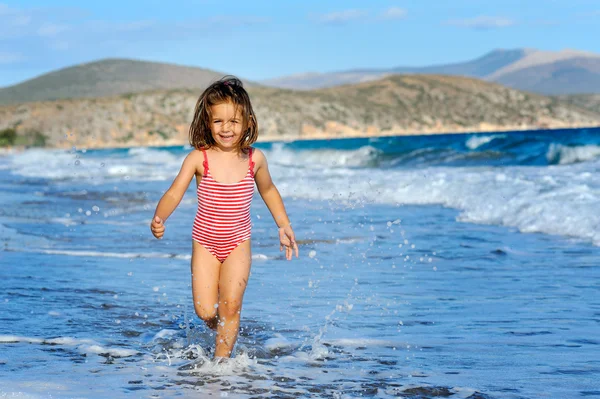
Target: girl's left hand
point(288, 240)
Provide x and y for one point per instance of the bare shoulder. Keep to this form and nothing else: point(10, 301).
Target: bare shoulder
point(195, 154)
point(194, 160)
point(258, 157)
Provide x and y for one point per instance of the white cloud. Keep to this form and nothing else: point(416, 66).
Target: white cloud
point(144, 30)
point(13, 18)
point(48, 29)
point(394, 13)
point(342, 16)
point(232, 20)
point(103, 27)
point(21, 20)
point(483, 22)
point(10, 58)
point(74, 29)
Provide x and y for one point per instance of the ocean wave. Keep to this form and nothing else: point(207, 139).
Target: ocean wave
point(564, 155)
point(475, 142)
point(162, 164)
point(125, 255)
point(140, 164)
point(84, 346)
point(365, 156)
point(528, 198)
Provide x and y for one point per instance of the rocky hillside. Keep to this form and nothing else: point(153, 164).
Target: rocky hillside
point(399, 104)
point(588, 101)
point(107, 78)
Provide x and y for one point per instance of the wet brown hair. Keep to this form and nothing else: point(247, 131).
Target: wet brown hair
point(227, 89)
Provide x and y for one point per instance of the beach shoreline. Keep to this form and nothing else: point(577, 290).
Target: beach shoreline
point(428, 132)
point(317, 135)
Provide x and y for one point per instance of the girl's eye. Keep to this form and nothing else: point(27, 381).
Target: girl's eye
point(234, 121)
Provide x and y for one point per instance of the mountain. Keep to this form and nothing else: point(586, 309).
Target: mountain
point(106, 78)
point(544, 72)
point(575, 75)
point(397, 104)
point(478, 68)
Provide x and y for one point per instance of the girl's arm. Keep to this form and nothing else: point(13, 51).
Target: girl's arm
point(272, 199)
point(172, 197)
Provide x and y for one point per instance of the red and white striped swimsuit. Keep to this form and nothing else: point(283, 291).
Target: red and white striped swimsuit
point(223, 218)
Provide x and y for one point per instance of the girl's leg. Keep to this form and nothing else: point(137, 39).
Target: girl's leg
point(232, 284)
point(205, 284)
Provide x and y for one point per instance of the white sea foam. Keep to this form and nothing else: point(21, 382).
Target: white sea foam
point(102, 350)
point(126, 255)
point(278, 342)
point(475, 142)
point(50, 164)
point(69, 341)
point(8, 339)
point(318, 159)
point(203, 363)
point(87, 346)
point(15, 390)
point(165, 333)
point(152, 156)
point(558, 153)
point(356, 342)
point(139, 164)
point(65, 221)
point(530, 198)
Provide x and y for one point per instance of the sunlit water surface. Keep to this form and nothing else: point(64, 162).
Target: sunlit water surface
point(462, 266)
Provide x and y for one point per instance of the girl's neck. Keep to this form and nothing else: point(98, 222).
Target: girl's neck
point(229, 151)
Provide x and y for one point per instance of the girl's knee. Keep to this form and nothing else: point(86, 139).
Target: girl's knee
point(205, 313)
point(230, 308)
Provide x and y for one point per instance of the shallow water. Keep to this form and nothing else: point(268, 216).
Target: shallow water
point(394, 295)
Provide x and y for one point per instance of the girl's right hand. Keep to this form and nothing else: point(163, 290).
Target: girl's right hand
point(287, 240)
point(157, 227)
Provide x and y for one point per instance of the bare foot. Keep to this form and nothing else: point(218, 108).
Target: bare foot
point(220, 359)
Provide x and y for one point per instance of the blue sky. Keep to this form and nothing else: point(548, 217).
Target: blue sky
point(263, 39)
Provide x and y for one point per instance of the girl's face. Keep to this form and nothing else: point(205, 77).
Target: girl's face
point(226, 125)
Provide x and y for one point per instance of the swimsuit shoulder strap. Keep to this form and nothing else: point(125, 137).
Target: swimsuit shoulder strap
point(205, 163)
point(250, 161)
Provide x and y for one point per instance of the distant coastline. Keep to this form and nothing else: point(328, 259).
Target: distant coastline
point(404, 133)
point(393, 106)
point(278, 139)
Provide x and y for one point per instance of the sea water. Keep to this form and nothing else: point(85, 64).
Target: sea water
point(463, 266)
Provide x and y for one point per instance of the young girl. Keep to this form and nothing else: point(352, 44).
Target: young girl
point(226, 168)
